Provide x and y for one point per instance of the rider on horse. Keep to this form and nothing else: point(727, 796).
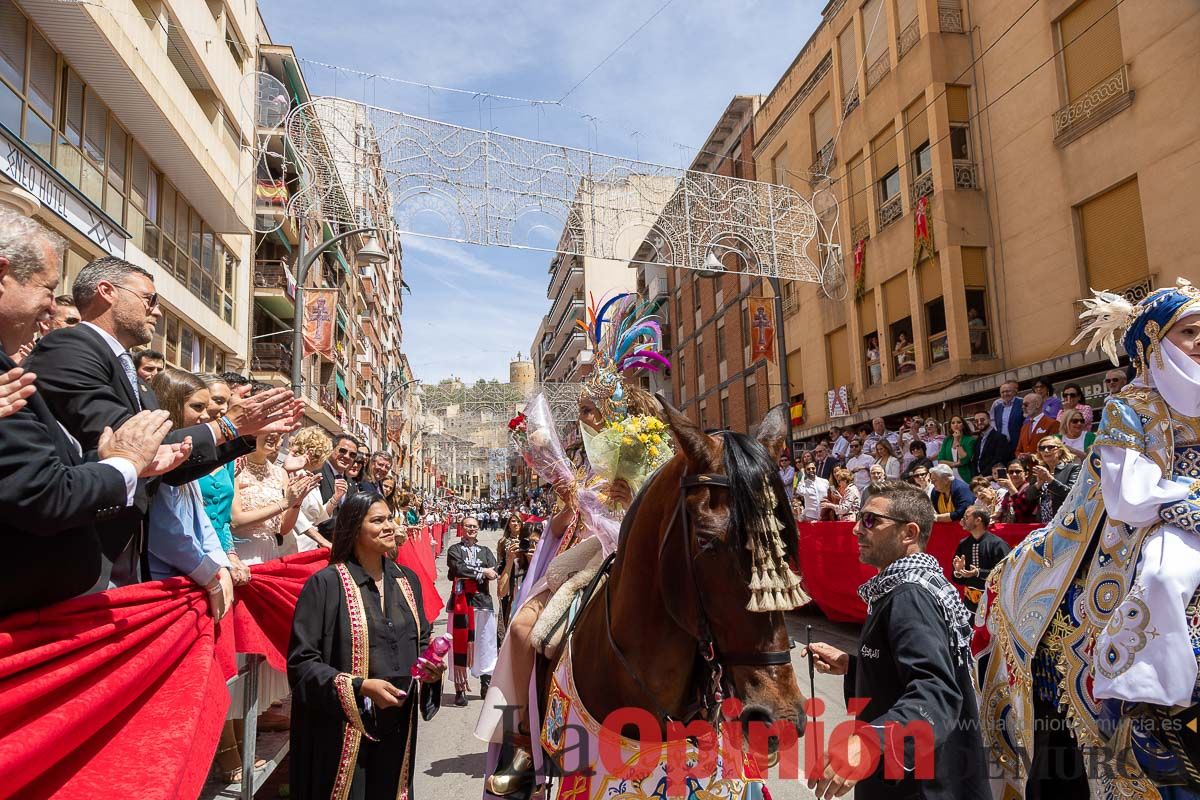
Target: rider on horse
point(1094, 620)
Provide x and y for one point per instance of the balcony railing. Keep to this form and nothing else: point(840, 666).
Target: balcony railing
point(791, 304)
point(1104, 100)
point(860, 231)
point(890, 211)
point(964, 175)
point(878, 71)
point(271, 357)
point(950, 17)
point(908, 38)
point(270, 274)
point(922, 186)
point(1133, 292)
point(825, 160)
point(656, 289)
point(851, 101)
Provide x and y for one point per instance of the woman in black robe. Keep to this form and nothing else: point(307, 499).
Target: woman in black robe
point(358, 630)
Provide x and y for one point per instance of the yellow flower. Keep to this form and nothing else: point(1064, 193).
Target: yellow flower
point(656, 439)
point(626, 440)
point(653, 451)
point(643, 438)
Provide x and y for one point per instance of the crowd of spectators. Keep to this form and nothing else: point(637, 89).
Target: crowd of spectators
point(1016, 460)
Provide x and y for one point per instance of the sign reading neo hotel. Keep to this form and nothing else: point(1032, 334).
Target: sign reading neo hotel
point(29, 171)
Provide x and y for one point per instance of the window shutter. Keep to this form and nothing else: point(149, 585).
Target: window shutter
point(929, 279)
point(918, 124)
point(822, 121)
point(12, 44)
point(866, 313)
point(858, 189)
point(839, 358)
point(906, 12)
point(795, 373)
point(883, 151)
point(848, 59)
point(42, 63)
point(895, 299)
point(1091, 42)
point(95, 128)
point(974, 266)
point(957, 107)
point(1114, 239)
point(877, 39)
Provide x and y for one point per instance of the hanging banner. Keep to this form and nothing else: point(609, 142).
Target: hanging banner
point(762, 326)
point(320, 306)
point(395, 421)
point(860, 269)
point(838, 402)
point(922, 232)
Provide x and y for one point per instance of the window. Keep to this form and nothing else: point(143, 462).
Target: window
point(848, 69)
point(889, 185)
point(929, 280)
point(779, 166)
point(724, 421)
point(887, 170)
point(822, 133)
point(751, 404)
point(975, 284)
point(870, 340)
point(1114, 238)
point(900, 331)
point(1090, 36)
point(696, 293)
point(960, 142)
point(858, 190)
point(721, 342)
point(959, 112)
point(837, 352)
point(917, 125)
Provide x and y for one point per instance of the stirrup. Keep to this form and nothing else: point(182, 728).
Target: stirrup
point(511, 778)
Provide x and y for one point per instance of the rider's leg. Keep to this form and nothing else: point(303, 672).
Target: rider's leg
point(521, 628)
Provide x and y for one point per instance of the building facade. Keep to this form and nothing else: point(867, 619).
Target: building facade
point(129, 128)
point(1034, 183)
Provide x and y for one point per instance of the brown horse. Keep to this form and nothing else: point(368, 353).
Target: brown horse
point(676, 611)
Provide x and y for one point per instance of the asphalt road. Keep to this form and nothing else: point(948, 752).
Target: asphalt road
point(450, 760)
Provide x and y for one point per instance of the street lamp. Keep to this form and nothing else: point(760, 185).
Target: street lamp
point(371, 253)
point(392, 384)
point(713, 268)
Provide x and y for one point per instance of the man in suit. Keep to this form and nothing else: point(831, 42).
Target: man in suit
point(991, 447)
point(50, 497)
point(333, 475)
point(87, 377)
point(1036, 425)
point(1008, 416)
point(380, 467)
point(825, 462)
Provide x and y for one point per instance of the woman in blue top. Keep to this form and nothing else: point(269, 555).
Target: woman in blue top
point(217, 487)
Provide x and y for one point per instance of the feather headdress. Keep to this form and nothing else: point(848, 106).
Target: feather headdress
point(625, 336)
point(1106, 316)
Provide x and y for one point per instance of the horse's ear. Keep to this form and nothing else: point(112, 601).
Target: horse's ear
point(697, 446)
point(772, 431)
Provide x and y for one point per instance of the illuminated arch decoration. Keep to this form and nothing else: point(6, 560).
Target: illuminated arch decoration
point(486, 188)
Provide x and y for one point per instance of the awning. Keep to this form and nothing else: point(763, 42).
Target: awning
point(341, 386)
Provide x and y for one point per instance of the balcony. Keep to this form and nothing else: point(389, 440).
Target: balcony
point(890, 211)
point(950, 17)
point(851, 101)
point(964, 175)
point(922, 186)
point(271, 288)
point(271, 357)
point(824, 161)
point(908, 38)
point(1102, 102)
point(878, 71)
point(860, 231)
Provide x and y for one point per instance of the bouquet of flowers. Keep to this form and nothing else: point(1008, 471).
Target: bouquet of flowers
point(630, 448)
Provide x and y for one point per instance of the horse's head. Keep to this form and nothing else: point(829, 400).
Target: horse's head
point(725, 544)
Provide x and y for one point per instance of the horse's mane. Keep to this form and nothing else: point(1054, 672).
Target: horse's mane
point(748, 466)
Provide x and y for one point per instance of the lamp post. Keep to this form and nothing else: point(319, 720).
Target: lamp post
point(393, 382)
point(371, 253)
point(713, 268)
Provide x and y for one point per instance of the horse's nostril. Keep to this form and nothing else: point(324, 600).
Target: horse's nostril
point(756, 714)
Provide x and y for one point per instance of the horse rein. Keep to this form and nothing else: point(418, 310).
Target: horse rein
point(716, 661)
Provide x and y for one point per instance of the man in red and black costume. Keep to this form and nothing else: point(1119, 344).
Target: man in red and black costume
point(472, 616)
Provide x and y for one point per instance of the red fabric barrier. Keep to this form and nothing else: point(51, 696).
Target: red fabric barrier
point(832, 572)
point(122, 693)
point(439, 537)
point(417, 554)
point(262, 617)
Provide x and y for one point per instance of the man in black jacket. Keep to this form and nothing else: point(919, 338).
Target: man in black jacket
point(50, 497)
point(912, 669)
point(991, 448)
point(87, 377)
point(472, 566)
point(333, 476)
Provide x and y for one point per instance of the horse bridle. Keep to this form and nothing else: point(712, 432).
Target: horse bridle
point(710, 698)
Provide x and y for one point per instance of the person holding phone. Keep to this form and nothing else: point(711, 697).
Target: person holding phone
point(358, 630)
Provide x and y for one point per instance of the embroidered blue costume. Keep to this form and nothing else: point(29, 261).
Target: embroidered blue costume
point(1093, 637)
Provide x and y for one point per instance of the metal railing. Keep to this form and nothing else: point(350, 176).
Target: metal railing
point(271, 357)
point(950, 17)
point(270, 274)
point(922, 186)
point(851, 101)
point(878, 70)
point(860, 231)
point(276, 746)
point(1095, 105)
point(964, 175)
point(908, 38)
point(890, 211)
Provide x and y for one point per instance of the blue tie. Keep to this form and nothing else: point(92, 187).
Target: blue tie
point(131, 375)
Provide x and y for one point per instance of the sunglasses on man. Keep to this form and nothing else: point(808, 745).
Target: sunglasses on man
point(870, 519)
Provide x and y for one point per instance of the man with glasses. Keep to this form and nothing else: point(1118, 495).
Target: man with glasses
point(87, 377)
point(859, 464)
point(825, 462)
point(1114, 381)
point(913, 665)
point(472, 566)
point(1008, 415)
point(335, 484)
point(991, 448)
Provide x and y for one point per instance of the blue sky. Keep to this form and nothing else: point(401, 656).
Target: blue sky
point(472, 308)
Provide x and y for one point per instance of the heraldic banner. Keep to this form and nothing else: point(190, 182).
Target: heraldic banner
point(320, 306)
point(762, 325)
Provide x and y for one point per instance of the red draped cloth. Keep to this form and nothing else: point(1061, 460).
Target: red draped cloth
point(122, 693)
point(417, 554)
point(832, 572)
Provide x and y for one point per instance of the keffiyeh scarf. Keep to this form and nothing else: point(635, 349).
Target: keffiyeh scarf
point(924, 570)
